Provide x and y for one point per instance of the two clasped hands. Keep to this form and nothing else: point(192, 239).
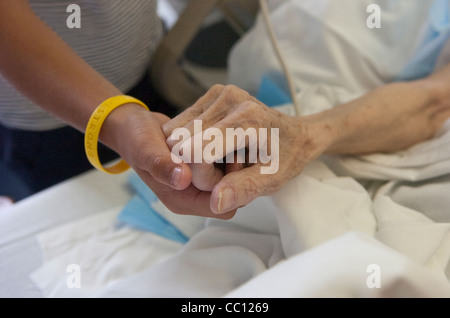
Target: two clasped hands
point(390, 118)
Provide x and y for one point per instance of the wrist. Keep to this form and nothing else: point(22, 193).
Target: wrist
point(314, 135)
point(389, 118)
point(437, 92)
point(327, 130)
point(116, 124)
point(109, 134)
point(437, 86)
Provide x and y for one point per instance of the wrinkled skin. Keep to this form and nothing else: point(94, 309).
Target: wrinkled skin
point(390, 118)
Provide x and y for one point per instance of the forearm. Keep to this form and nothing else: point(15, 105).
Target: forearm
point(390, 118)
point(46, 70)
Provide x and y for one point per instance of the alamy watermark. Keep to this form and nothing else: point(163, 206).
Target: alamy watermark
point(374, 278)
point(374, 19)
point(249, 146)
point(73, 280)
point(74, 19)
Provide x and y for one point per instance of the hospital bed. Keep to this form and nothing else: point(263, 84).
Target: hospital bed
point(348, 226)
point(337, 240)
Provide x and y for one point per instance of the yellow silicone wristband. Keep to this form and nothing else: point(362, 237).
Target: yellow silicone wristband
point(93, 131)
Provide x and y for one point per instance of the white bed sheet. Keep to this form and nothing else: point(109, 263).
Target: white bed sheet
point(322, 235)
point(20, 253)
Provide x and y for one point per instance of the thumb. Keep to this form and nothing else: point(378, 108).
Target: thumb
point(238, 189)
point(160, 164)
point(164, 170)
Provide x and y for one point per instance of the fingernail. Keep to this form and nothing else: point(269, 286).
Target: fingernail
point(176, 176)
point(226, 200)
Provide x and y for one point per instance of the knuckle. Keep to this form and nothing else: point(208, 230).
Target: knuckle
point(230, 88)
point(228, 95)
point(238, 94)
point(216, 89)
point(251, 107)
point(168, 128)
point(155, 164)
point(233, 88)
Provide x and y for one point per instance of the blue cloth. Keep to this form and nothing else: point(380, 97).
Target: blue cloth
point(271, 94)
point(424, 61)
point(140, 214)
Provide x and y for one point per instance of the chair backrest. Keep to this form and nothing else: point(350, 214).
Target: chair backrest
point(168, 77)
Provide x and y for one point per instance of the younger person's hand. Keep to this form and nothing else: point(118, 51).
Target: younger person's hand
point(137, 136)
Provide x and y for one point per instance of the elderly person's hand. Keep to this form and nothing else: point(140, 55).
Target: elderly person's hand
point(290, 144)
point(388, 119)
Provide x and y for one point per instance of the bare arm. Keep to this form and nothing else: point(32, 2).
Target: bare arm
point(43, 68)
point(390, 118)
point(46, 70)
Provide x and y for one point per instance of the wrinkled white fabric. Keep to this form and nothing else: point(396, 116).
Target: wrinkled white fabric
point(102, 252)
point(330, 231)
point(343, 267)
